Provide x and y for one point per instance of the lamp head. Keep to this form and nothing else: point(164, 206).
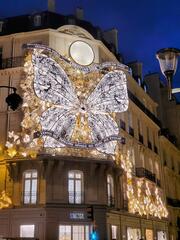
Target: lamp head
point(13, 100)
point(168, 60)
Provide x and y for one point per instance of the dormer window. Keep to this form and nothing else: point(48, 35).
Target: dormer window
point(37, 20)
point(1, 26)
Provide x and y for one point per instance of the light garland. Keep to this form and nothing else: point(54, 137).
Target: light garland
point(5, 200)
point(144, 197)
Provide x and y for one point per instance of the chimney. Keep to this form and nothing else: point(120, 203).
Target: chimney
point(79, 13)
point(136, 70)
point(51, 5)
point(111, 36)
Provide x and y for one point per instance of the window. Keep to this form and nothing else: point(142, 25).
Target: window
point(27, 231)
point(113, 232)
point(0, 58)
point(30, 187)
point(140, 131)
point(139, 126)
point(37, 20)
point(74, 232)
point(75, 186)
point(110, 190)
point(149, 138)
point(131, 130)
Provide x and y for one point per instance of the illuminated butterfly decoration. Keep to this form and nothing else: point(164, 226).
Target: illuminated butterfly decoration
point(51, 84)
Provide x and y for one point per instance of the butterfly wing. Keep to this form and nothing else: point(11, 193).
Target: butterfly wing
point(60, 122)
point(102, 126)
point(51, 82)
point(110, 95)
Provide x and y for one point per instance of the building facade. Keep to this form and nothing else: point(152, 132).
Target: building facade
point(72, 195)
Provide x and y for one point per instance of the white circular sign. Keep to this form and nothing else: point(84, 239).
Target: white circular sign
point(81, 53)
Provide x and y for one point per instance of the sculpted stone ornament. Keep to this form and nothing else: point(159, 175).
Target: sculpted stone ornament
point(51, 84)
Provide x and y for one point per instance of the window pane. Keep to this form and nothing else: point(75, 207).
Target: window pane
point(78, 233)
point(87, 232)
point(64, 232)
point(27, 175)
point(27, 230)
point(27, 191)
point(34, 191)
point(114, 232)
point(78, 192)
point(34, 174)
point(71, 175)
point(78, 175)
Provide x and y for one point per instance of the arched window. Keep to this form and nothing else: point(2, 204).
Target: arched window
point(110, 190)
point(75, 186)
point(30, 180)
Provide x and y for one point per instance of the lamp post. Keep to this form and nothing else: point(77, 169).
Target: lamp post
point(13, 100)
point(168, 59)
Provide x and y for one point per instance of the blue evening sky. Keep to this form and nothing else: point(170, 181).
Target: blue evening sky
point(144, 26)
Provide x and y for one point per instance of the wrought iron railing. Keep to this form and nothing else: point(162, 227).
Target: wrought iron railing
point(143, 172)
point(173, 202)
point(12, 62)
point(76, 197)
point(165, 132)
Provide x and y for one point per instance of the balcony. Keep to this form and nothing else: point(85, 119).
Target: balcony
point(143, 108)
point(142, 172)
point(122, 124)
point(173, 202)
point(141, 138)
point(131, 131)
point(12, 62)
point(165, 132)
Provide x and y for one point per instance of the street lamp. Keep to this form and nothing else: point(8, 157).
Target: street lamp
point(168, 59)
point(13, 100)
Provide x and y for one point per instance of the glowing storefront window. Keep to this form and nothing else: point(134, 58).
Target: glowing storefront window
point(149, 234)
point(27, 231)
point(161, 235)
point(133, 233)
point(114, 232)
point(74, 232)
